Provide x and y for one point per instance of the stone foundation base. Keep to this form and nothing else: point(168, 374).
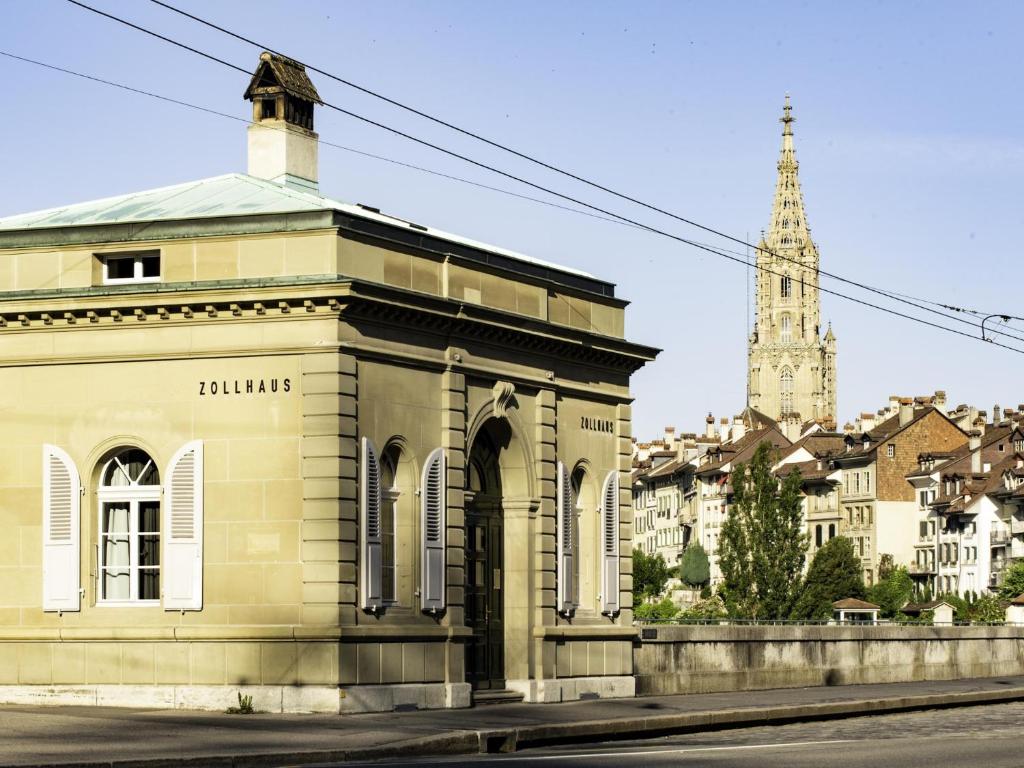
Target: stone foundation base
point(575, 688)
point(387, 698)
point(265, 698)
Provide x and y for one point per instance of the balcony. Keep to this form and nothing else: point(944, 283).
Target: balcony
point(920, 569)
point(1016, 526)
point(1016, 549)
point(999, 538)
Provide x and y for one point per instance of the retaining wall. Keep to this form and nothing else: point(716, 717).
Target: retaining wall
point(704, 659)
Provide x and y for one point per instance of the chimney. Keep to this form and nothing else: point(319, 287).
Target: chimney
point(997, 414)
point(974, 443)
point(709, 432)
point(940, 399)
point(282, 144)
point(906, 411)
point(670, 438)
point(979, 424)
point(739, 429)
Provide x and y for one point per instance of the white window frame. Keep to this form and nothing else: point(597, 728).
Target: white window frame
point(137, 276)
point(132, 495)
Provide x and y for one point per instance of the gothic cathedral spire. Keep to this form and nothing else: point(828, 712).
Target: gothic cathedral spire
point(791, 370)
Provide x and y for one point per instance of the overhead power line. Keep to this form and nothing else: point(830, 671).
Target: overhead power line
point(576, 201)
point(569, 174)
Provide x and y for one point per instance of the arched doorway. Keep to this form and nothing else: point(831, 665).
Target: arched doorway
point(485, 658)
point(497, 578)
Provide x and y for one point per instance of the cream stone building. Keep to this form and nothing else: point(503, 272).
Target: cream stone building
point(792, 369)
point(261, 441)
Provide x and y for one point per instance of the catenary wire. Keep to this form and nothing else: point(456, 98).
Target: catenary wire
point(596, 185)
point(576, 201)
point(323, 142)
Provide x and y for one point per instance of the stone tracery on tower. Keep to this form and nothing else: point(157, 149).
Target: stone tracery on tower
point(791, 375)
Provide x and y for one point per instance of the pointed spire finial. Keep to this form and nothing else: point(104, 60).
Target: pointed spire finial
point(787, 118)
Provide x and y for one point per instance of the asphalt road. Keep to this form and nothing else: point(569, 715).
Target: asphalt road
point(988, 737)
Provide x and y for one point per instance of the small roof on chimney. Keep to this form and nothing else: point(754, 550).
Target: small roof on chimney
point(277, 73)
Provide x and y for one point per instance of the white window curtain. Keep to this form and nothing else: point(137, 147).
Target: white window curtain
point(62, 532)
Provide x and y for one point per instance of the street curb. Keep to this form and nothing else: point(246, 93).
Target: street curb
point(495, 740)
point(721, 719)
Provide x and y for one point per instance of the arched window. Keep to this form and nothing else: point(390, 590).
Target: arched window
point(786, 286)
point(786, 391)
point(785, 329)
point(129, 529)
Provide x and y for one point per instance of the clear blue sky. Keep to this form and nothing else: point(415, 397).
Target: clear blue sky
point(909, 133)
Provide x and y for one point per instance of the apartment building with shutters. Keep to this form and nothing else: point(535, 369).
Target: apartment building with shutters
point(261, 441)
point(879, 509)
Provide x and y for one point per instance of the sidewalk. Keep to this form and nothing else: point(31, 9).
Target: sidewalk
point(93, 736)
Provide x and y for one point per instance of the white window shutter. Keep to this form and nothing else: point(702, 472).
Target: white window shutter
point(610, 544)
point(370, 550)
point(62, 532)
point(433, 520)
point(182, 568)
point(565, 575)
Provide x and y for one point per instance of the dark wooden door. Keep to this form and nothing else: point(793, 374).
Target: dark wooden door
point(485, 659)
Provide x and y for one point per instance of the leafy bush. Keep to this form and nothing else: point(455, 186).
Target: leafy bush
point(711, 608)
point(988, 609)
point(664, 610)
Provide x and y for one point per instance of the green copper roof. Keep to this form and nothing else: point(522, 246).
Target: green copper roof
point(234, 194)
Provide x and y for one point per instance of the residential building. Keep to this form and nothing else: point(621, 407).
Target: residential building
point(260, 440)
point(959, 535)
point(878, 507)
point(791, 367)
point(820, 482)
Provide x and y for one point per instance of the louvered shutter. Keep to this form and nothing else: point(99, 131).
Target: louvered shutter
point(610, 544)
point(62, 506)
point(370, 550)
point(565, 576)
point(182, 570)
point(432, 522)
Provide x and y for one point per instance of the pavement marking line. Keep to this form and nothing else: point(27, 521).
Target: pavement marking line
point(517, 758)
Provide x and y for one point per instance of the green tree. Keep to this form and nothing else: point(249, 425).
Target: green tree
point(763, 547)
point(892, 592)
point(695, 569)
point(835, 573)
point(650, 573)
point(1013, 583)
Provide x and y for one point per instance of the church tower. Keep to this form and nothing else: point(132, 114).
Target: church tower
point(792, 376)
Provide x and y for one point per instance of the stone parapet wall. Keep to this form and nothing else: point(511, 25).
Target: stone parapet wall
point(705, 659)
